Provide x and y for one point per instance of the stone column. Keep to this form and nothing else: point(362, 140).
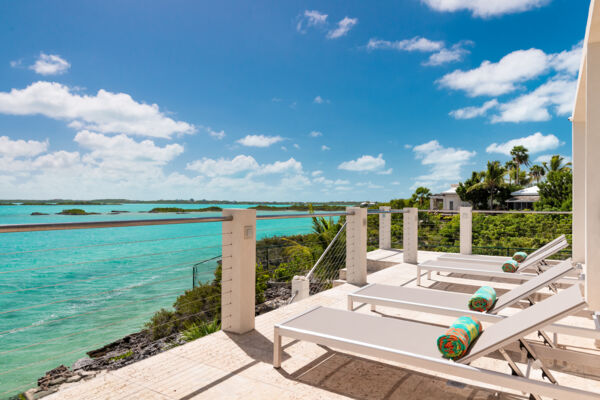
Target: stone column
point(592, 179)
point(239, 271)
point(356, 246)
point(385, 229)
point(411, 235)
point(300, 288)
point(466, 230)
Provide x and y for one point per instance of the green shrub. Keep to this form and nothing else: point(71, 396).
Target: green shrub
point(197, 330)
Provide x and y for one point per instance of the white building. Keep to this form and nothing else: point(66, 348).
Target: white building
point(447, 200)
point(523, 199)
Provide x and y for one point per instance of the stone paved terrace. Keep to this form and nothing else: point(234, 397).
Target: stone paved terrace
point(229, 366)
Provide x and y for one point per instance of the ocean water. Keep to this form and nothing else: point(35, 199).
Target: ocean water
point(63, 293)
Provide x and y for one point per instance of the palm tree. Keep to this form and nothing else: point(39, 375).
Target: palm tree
point(510, 166)
point(520, 157)
point(493, 180)
point(556, 164)
point(536, 172)
point(421, 195)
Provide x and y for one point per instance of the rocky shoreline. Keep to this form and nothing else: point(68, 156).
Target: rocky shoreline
point(133, 348)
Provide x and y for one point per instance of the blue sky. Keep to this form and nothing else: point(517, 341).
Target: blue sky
point(272, 100)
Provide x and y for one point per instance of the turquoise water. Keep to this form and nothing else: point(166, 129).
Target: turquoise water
point(77, 290)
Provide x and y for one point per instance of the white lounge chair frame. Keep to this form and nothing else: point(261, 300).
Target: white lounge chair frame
point(480, 258)
point(459, 369)
point(490, 270)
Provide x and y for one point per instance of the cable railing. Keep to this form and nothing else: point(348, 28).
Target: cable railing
point(64, 293)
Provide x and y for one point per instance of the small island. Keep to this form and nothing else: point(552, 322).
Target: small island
point(75, 211)
point(300, 207)
point(184, 210)
point(38, 213)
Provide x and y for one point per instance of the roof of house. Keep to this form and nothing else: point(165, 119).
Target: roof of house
point(530, 191)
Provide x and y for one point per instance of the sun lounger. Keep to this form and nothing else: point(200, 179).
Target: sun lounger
point(527, 269)
point(451, 303)
point(414, 344)
point(456, 304)
point(560, 241)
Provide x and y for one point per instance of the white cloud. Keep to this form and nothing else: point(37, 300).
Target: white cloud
point(310, 18)
point(486, 8)
point(472, 112)
point(115, 151)
point(315, 134)
point(220, 135)
point(440, 54)
point(415, 44)
point(506, 75)
point(279, 167)
point(498, 78)
point(365, 163)
point(386, 172)
point(325, 148)
point(445, 164)
point(21, 148)
point(259, 140)
point(317, 173)
point(283, 148)
point(296, 146)
point(320, 100)
point(408, 146)
point(222, 167)
point(343, 27)
point(547, 157)
point(242, 163)
point(455, 53)
point(105, 112)
point(57, 160)
point(557, 94)
point(535, 143)
point(50, 64)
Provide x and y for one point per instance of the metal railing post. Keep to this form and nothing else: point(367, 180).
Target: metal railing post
point(356, 246)
point(385, 228)
point(411, 235)
point(466, 230)
point(238, 282)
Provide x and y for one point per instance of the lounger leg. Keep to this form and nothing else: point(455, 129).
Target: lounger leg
point(277, 349)
point(418, 276)
point(350, 304)
point(373, 307)
point(429, 275)
point(516, 370)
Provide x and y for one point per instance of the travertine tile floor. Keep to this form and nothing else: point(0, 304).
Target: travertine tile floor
point(228, 366)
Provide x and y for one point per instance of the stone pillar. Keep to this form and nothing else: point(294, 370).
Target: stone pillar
point(411, 235)
point(239, 271)
point(356, 246)
point(578, 192)
point(592, 178)
point(385, 229)
point(300, 288)
point(466, 230)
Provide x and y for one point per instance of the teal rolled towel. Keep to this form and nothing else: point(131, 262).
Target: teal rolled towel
point(520, 256)
point(483, 299)
point(510, 266)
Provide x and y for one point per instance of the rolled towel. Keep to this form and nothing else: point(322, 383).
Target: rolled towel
point(483, 299)
point(457, 339)
point(520, 256)
point(510, 266)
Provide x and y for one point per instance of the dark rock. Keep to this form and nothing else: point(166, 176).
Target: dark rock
point(82, 363)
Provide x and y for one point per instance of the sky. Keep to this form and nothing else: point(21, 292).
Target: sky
point(278, 100)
